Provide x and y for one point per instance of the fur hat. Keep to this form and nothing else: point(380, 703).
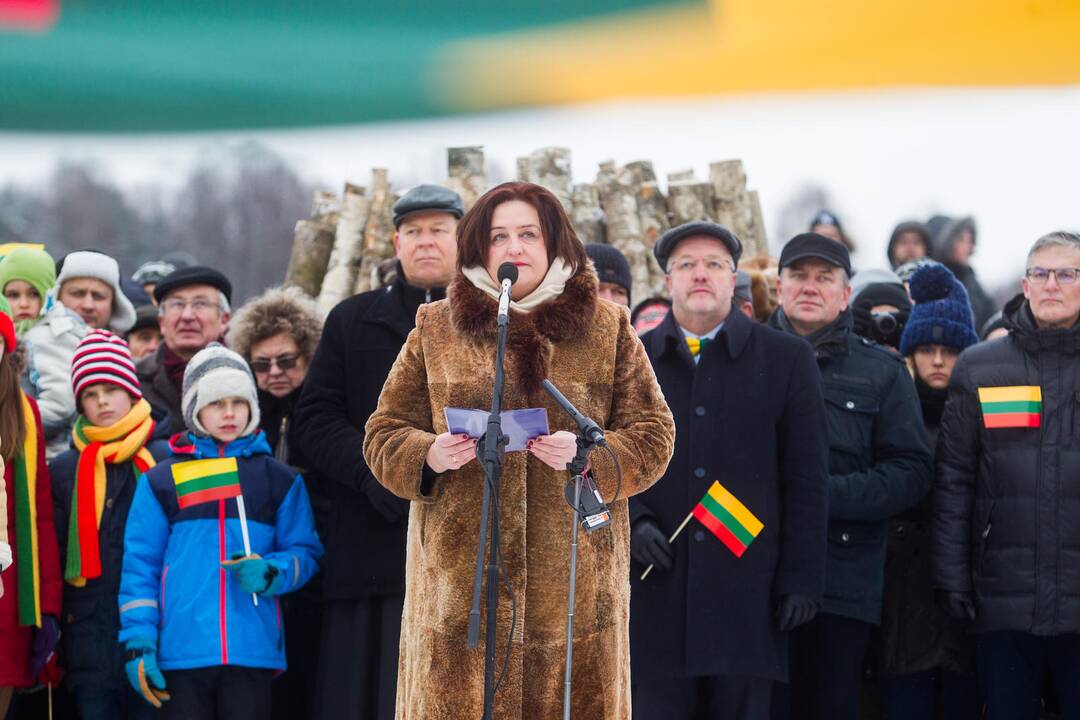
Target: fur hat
point(216, 373)
point(99, 266)
point(102, 357)
point(278, 310)
point(942, 313)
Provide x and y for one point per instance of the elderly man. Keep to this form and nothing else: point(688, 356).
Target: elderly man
point(1006, 537)
point(193, 311)
point(709, 625)
point(879, 465)
point(364, 576)
point(88, 296)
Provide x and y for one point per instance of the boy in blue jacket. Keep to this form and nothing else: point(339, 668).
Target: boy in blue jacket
point(216, 533)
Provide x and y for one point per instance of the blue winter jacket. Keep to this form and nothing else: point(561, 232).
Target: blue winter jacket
point(173, 587)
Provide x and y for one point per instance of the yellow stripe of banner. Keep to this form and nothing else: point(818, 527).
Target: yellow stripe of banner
point(729, 502)
point(1016, 393)
point(196, 469)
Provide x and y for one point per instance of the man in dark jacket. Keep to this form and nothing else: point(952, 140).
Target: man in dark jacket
point(709, 625)
point(953, 241)
point(364, 568)
point(879, 465)
point(1006, 542)
point(193, 311)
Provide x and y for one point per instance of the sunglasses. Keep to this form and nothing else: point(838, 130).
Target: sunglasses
point(284, 362)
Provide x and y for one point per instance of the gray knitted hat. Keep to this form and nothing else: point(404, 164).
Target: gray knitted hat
point(215, 373)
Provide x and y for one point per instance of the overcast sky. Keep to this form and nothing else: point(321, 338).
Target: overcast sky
point(1010, 157)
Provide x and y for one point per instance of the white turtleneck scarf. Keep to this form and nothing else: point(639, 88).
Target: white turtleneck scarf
point(551, 286)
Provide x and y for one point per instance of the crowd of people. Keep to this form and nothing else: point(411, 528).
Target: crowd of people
point(834, 493)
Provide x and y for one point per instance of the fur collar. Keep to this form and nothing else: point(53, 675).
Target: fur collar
point(531, 335)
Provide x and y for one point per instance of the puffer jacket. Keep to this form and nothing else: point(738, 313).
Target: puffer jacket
point(879, 460)
point(50, 347)
point(1007, 497)
point(173, 587)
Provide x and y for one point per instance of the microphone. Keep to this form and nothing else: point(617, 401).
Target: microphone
point(508, 275)
point(588, 427)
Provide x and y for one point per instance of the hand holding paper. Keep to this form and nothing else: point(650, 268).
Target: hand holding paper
point(451, 451)
point(555, 450)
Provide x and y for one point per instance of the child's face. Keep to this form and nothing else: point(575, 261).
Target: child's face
point(225, 419)
point(104, 404)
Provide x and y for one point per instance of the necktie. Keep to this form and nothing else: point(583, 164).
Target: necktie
point(696, 345)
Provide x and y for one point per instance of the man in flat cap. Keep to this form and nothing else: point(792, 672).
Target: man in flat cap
point(364, 568)
point(709, 623)
point(879, 465)
point(193, 306)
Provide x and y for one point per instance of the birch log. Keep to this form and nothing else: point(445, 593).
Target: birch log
point(313, 241)
point(619, 201)
point(586, 215)
point(690, 201)
point(466, 173)
point(378, 232)
point(653, 213)
point(348, 249)
point(550, 167)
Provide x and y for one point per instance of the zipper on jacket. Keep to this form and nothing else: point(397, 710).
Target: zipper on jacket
point(222, 572)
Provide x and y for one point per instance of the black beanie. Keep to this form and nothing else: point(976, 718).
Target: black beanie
point(611, 265)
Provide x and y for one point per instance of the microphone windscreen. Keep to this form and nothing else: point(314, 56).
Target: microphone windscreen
point(508, 271)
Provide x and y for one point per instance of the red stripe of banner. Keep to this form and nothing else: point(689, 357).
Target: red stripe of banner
point(1012, 420)
point(29, 14)
point(719, 531)
point(218, 493)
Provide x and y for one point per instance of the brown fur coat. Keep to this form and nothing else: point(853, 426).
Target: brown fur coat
point(588, 349)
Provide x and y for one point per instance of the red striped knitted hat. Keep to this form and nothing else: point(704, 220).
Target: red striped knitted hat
point(102, 357)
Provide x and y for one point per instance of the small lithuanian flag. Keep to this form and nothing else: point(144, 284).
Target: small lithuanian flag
point(728, 519)
point(200, 481)
point(1018, 406)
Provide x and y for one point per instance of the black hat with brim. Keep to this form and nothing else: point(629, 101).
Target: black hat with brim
point(665, 246)
point(194, 275)
point(819, 247)
point(428, 198)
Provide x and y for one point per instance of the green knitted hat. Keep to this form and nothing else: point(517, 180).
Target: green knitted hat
point(35, 267)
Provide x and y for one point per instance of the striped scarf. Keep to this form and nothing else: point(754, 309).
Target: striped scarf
point(28, 572)
point(123, 441)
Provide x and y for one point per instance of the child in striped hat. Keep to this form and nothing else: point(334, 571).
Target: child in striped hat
point(30, 576)
point(94, 484)
point(218, 532)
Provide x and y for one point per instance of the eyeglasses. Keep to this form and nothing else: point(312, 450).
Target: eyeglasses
point(715, 267)
point(1064, 276)
point(284, 362)
point(176, 306)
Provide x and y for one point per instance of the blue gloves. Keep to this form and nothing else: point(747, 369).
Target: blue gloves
point(142, 670)
point(255, 575)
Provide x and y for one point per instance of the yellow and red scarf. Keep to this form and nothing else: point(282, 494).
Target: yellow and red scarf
point(121, 442)
point(27, 569)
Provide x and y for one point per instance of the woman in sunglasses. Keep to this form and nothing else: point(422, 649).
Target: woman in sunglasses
point(277, 333)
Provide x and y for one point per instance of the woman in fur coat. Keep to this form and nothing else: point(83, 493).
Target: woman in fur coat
point(558, 330)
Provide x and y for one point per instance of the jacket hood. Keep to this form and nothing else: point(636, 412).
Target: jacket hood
point(943, 231)
point(199, 448)
point(908, 226)
point(1018, 320)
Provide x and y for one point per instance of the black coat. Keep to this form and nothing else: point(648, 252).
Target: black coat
point(879, 460)
point(90, 622)
point(917, 635)
point(1007, 500)
point(751, 416)
point(365, 551)
point(160, 392)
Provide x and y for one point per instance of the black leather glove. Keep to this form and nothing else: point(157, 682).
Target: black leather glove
point(960, 605)
point(795, 610)
point(386, 503)
point(648, 545)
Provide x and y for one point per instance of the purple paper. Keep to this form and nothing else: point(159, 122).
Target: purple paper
point(519, 425)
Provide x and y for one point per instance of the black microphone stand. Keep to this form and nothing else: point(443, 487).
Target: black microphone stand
point(491, 447)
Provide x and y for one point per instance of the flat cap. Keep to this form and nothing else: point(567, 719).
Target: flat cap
point(194, 275)
point(742, 291)
point(812, 245)
point(667, 242)
point(428, 198)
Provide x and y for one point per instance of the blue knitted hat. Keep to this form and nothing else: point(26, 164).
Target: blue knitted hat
point(942, 313)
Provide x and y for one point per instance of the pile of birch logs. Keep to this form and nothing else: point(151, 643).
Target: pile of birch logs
point(338, 250)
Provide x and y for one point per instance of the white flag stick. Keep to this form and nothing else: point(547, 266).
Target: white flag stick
point(244, 532)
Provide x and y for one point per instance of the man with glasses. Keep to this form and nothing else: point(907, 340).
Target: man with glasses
point(709, 623)
point(1006, 536)
point(193, 311)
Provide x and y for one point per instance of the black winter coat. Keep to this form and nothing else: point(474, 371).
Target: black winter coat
point(90, 622)
point(916, 634)
point(365, 550)
point(879, 461)
point(1007, 499)
point(749, 415)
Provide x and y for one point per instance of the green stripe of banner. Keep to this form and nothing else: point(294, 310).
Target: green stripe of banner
point(1012, 406)
point(727, 519)
point(24, 552)
point(208, 482)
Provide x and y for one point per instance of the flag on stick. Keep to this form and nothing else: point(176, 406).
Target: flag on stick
point(200, 481)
